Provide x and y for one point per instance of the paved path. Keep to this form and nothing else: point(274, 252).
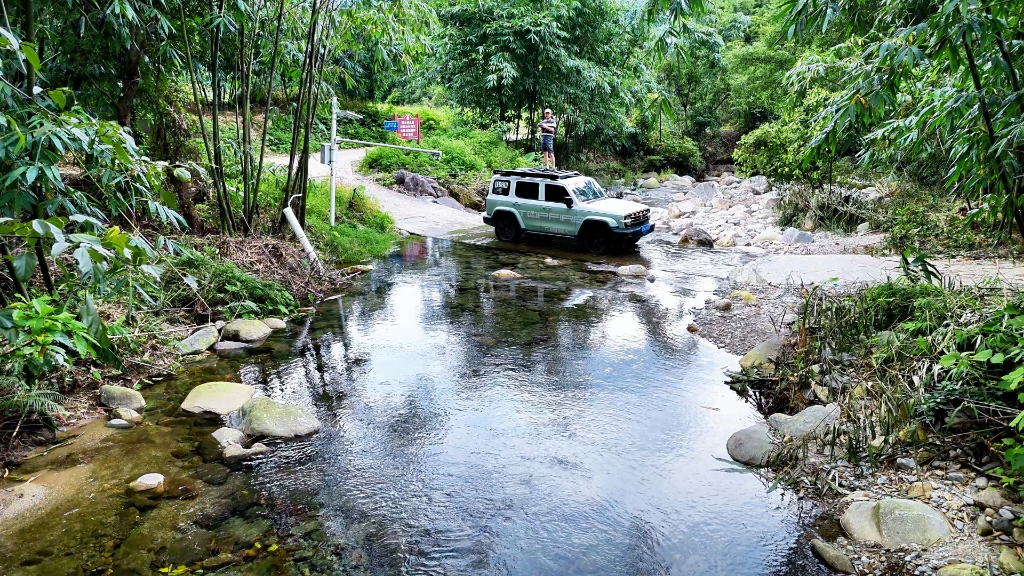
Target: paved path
point(414, 215)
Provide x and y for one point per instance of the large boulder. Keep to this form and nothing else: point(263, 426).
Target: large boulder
point(694, 236)
point(266, 417)
point(120, 397)
point(217, 397)
point(894, 523)
point(764, 354)
point(198, 342)
point(245, 330)
point(705, 192)
point(811, 421)
point(752, 446)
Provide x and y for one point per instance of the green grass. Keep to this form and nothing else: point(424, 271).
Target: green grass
point(363, 231)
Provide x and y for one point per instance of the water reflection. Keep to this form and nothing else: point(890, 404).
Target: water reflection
point(558, 424)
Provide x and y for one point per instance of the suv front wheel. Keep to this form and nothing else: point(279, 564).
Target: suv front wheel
point(507, 229)
point(597, 238)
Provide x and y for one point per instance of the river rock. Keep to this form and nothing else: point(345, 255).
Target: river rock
point(894, 522)
point(228, 436)
point(694, 236)
point(198, 342)
point(920, 490)
point(679, 196)
point(751, 446)
point(505, 274)
point(727, 241)
point(832, 557)
point(797, 236)
point(358, 269)
point(217, 397)
point(862, 229)
point(120, 397)
point(236, 533)
point(228, 348)
point(722, 305)
point(811, 421)
point(152, 484)
point(983, 527)
point(962, 570)
point(188, 549)
point(705, 192)
point(236, 452)
point(119, 424)
point(245, 330)
point(1009, 562)
point(126, 414)
point(275, 323)
point(212, 473)
point(651, 183)
point(992, 497)
point(632, 270)
point(763, 354)
point(265, 417)
point(758, 184)
point(767, 236)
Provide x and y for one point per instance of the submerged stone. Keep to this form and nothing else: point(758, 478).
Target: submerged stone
point(217, 397)
point(152, 482)
point(126, 414)
point(227, 436)
point(632, 270)
point(505, 274)
point(120, 397)
point(212, 473)
point(236, 452)
point(265, 417)
point(119, 424)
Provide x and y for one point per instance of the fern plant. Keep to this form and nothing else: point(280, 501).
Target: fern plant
point(17, 397)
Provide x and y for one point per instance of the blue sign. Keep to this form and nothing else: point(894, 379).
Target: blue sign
point(391, 125)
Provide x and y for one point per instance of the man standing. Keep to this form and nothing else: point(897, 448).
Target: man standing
point(547, 138)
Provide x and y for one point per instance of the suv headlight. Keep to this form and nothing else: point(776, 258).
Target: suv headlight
point(637, 218)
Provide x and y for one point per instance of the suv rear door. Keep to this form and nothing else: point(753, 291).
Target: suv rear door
point(561, 219)
point(527, 203)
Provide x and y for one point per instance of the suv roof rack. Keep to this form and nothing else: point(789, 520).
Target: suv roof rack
point(539, 173)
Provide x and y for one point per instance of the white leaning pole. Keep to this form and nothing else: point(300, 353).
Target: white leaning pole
point(289, 215)
point(334, 148)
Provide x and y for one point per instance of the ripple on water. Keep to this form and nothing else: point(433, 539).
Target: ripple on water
point(549, 426)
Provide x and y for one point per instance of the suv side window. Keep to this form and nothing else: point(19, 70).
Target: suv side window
point(501, 187)
point(555, 193)
point(527, 190)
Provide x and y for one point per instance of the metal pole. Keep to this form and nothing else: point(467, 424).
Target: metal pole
point(435, 153)
point(334, 148)
point(289, 215)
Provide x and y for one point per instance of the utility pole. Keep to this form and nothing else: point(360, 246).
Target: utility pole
point(334, 148)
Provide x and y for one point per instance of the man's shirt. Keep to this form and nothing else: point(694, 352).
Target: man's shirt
point(548, 127)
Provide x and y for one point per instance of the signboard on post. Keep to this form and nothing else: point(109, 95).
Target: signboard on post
point(391, 125)
point(408, 127)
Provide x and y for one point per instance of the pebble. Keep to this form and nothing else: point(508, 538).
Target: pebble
point(119, 424)
point(957, 477)
point(906, 464)
point(981, 482)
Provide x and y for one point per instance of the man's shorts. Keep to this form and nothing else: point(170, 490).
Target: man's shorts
point(547, 145)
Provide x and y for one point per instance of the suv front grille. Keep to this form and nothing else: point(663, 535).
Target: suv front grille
point(637, 218)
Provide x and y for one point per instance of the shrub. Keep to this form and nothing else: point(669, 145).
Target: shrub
point(678, 153)
point(362, 230)
point(776, 150)
point(226, 287)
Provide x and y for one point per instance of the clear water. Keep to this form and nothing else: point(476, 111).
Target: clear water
point(564, 423)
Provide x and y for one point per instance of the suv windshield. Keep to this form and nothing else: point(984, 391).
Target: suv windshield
point(589, 190)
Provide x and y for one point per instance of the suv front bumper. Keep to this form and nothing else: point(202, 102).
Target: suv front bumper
point(488, 220)
point(634, 233)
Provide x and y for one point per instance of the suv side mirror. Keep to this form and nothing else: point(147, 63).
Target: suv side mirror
point(568, 201)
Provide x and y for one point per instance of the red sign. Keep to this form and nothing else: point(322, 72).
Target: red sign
point(408, 127)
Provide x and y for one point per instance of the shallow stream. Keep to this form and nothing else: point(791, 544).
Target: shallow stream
point(564, 423)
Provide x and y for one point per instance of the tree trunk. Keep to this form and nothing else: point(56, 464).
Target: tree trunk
point(29, 8)
point(266, 114)
point(129, 81)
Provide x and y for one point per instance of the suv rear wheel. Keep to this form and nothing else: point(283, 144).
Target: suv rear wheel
point(507, 229)
point(597, 238)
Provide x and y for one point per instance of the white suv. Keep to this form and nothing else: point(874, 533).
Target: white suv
point(562, 203)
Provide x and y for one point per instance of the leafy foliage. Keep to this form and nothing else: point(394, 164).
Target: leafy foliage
point(226, 288)
point(42, 337)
